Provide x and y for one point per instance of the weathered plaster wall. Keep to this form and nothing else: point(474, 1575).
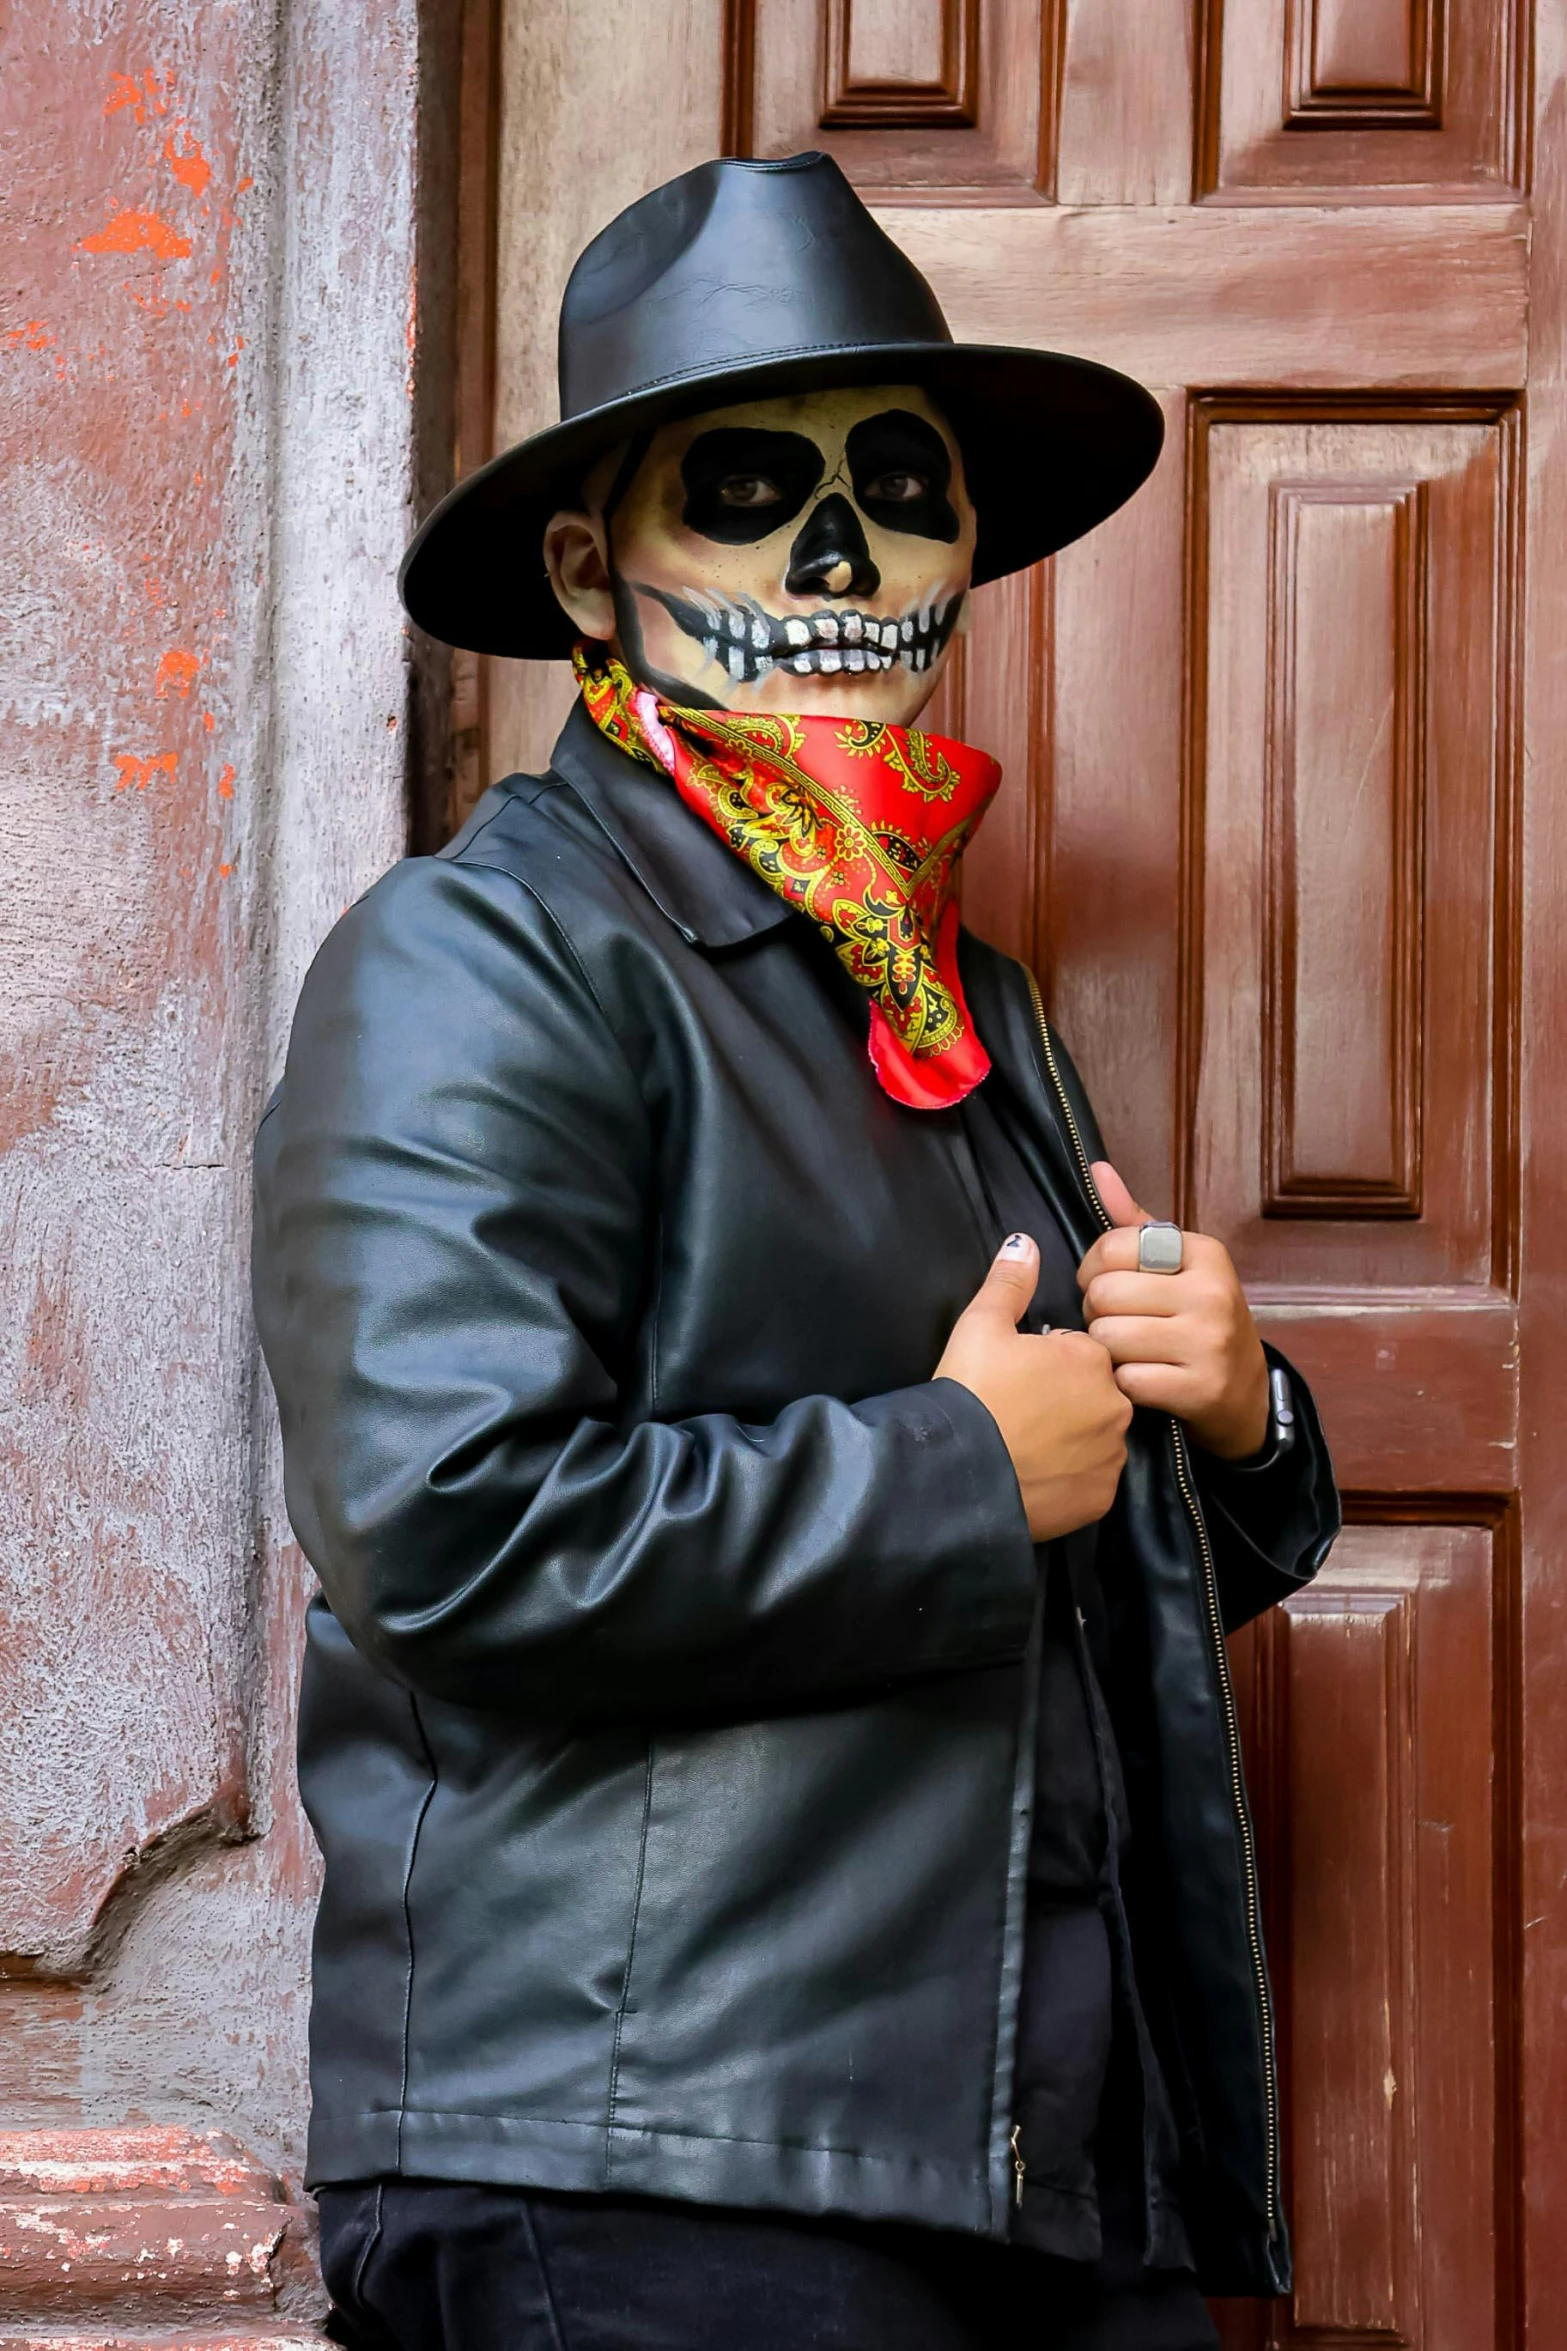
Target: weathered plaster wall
point(210, 329)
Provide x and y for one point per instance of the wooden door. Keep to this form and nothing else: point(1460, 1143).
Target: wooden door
point(1283, 835)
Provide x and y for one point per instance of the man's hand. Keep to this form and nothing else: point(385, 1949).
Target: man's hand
point(1054, 1398)
point(1183, 1342)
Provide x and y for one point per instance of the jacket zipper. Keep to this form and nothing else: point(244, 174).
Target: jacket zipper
point(1019, 2167)
point(1270, 2087)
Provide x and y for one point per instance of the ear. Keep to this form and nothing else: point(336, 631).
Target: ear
point(577, 562)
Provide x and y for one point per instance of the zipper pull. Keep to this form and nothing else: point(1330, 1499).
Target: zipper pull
point(1019, 2167)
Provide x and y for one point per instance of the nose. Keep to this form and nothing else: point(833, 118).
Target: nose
point(830, 556)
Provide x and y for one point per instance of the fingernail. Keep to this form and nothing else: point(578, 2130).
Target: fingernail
point(1015, 1245)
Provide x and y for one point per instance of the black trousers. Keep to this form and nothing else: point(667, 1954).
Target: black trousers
point(426, 2265)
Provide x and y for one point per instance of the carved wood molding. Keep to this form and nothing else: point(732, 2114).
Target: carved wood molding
point(1392, 94)
point(881, 103)
point(1402, 1662)
point(1396, 510)
point(1317, 525)
point(150, 2234)
point(458, 771)
point(737, 115)
point(1388, 78)
point(950, 101)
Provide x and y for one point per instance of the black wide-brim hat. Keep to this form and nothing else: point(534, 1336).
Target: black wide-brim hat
point(738, 281)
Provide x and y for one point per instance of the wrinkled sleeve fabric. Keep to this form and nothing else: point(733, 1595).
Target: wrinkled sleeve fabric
point(455, 1253)
point(1272, 1521)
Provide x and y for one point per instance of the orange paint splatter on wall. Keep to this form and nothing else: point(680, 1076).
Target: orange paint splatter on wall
point(125, 91)
point(176, 673)
point(188, 164)
point(34, 334)
point(140, 772)
point(226, 784)
point(208, 721)
point(134, 231)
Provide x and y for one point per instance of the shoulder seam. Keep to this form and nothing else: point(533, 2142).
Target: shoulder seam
point(451, 853)
point(530, 890)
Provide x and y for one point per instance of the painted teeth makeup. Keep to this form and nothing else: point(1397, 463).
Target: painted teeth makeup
point(847, 644)
point(809, 553)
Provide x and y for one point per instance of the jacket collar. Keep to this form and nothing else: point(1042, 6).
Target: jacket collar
point(714, 900)
point(708, 893)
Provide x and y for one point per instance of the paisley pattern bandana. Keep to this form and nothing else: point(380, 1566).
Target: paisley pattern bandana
point(857, 824)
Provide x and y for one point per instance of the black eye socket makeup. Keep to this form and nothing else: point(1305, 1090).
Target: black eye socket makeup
point(901, 473)
point(742, 483)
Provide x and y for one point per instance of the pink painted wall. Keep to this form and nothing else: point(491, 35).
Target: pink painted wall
point(210, 335)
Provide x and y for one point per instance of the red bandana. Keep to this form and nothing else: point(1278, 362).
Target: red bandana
point(858, 824)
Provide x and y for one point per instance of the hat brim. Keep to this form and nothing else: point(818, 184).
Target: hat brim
point(1051, 446)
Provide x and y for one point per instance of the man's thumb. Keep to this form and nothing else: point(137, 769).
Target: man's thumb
point(1008, 1289)
point(1117, 1199)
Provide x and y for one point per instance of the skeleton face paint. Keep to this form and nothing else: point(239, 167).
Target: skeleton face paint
point(808, 553)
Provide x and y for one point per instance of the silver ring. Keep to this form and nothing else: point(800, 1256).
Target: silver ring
point(1159, 1248)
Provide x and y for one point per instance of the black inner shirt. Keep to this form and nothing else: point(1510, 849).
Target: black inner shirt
point(1094, 2130)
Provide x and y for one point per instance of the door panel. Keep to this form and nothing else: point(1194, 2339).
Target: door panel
point(1377, 94)
point(1372, 1753)
point(923, 94)
point(1350, 739)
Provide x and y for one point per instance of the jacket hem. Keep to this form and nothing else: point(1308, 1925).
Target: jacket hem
point(522, 2151)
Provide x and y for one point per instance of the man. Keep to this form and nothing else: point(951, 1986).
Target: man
point(788, 1878)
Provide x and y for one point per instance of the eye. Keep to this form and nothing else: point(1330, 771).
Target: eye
point(748, 490)
point(897, 488)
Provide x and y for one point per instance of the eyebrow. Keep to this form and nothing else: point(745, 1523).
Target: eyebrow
point(894, 433)
point(732, 449)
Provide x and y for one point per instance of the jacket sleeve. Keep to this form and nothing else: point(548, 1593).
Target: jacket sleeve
point(455, 1259)
point(1272, 1521)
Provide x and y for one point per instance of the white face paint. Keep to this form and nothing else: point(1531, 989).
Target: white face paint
point(810, 554)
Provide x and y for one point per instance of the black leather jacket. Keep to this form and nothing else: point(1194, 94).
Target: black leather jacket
point(667, 1723)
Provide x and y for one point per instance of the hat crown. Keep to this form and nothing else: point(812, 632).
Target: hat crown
point(728, 265)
